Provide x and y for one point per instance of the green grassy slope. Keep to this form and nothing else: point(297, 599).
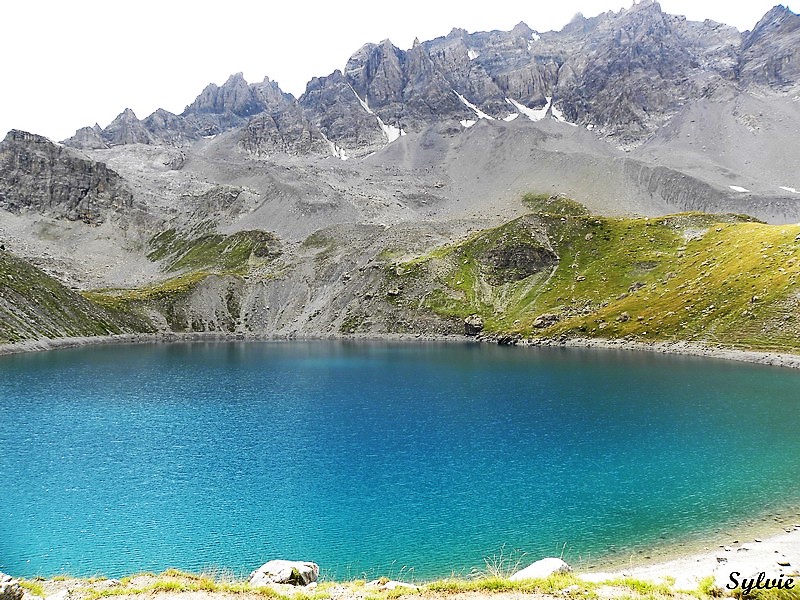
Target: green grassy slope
point(34, 305)
point(213, 250)
point(711, 278)
point(190, 261)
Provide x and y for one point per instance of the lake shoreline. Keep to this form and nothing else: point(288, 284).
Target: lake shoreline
point(756, 546)
point(683, 348)
point(743, 556)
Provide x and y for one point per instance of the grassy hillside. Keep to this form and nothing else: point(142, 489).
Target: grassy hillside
point(556, 272)
point(235, 252)
point(207, 272)
point(34, 305)
point(560, 272)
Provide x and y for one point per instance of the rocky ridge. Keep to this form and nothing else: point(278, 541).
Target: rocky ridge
point(623, 75)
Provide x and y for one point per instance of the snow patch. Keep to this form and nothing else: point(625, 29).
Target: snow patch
point(390, 131)
point(337, 151)
point(472, 54)
point(209, 137)
point(737, 188)
point(534, 114)
point(790, 189)
point(363, 103)
point(535, 37)
point(478, 111)
point(590, 126)
point(559, 116)
point(467, 123)
point(511, 117)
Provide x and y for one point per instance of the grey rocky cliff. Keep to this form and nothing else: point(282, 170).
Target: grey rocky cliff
point(36, 174)
point(87, 138)
point(345, 119)
point(286, 131)
point(771, 52)
point(219, 108)
point(127, 129)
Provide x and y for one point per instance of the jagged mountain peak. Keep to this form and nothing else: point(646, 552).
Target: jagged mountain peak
point(770, 54)
point(623, 74)
point(521, 29)
point(457, 32)
point(779, 19)
point(127, 114)
point(235, 79)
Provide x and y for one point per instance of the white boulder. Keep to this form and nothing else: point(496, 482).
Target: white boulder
point(284, 571)
point(541, 569)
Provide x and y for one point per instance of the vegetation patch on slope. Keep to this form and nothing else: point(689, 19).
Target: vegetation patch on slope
point(723, 279)
point(215, 251)
point(34, 305)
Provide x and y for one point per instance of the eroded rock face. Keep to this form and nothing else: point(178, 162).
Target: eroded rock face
point(343, 117)
point(127, 129)
point(284, 571)
point(37, 174)
point(286, 131)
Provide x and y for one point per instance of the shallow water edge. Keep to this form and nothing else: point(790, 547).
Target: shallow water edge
point(776, 359)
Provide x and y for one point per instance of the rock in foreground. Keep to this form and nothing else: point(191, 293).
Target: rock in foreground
point(10, 588)
point(541, 569)
point(284, 571)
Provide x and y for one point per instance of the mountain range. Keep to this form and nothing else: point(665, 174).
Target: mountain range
point(255, 211)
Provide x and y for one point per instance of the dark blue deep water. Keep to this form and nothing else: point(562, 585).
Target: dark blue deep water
point(375, 459)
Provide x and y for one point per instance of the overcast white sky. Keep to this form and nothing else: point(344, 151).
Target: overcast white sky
point(67, 64)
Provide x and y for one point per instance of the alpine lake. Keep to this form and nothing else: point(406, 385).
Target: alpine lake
point(407, 460)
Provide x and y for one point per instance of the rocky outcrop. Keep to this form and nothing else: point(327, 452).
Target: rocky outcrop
point(168, 128)
point(161, 127)
point(285, 131)
point(546, 320)
point(127, 129)
point(284, 571)
point(541, 569)
point(10, 588)
point(220, 108)
point(87, 138)
point(36, 174)
point(238, 97)
point(344, 118)
point(473, 325)
point(635, 69)
point(771, 52)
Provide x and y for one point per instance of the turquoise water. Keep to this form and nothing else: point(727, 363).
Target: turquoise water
point(371, 459)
